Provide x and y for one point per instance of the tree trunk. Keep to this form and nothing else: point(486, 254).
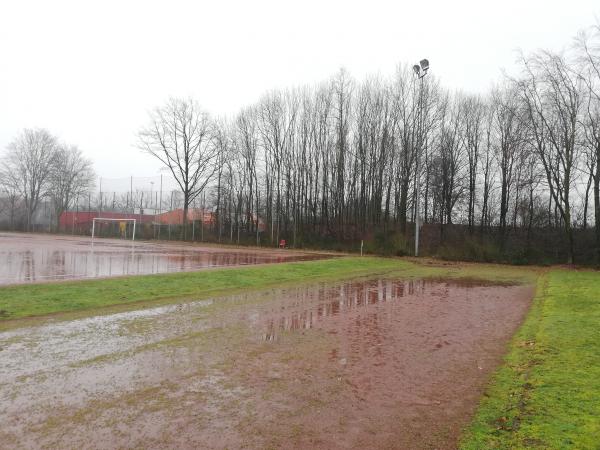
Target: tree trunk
point(186, 202)
point(597, 211)
point(403, 205)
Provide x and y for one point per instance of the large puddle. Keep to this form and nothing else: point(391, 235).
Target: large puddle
point(37, 258)
point(355, 364)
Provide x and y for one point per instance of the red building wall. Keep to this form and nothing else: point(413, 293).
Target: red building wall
point(69, 219)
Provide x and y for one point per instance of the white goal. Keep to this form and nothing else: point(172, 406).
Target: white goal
point(114, 227)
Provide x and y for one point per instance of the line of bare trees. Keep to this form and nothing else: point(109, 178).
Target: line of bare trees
point(36, 167)
point(339, 159)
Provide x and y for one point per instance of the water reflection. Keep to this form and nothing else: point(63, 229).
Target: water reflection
point(268, 313)
point(82, 260)
point(373, 319)
point(321, 302)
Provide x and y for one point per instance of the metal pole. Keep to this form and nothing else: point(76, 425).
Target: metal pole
point(272, 219)
point(76, 212)
point(141, 204)
point(160, 206)
point(171, 209)
point(417, 184)
point(131, 193)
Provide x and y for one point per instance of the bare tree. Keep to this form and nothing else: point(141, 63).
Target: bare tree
point(342, 86)
point(553, 95)
point(472, 111)
point(508, 129)
point(588, 48)
point(449, 185)
point(223, 146)
point(276, 124)
point(179, 136)
point(71, 175)
point(27, 166)
point(247, 146)
point(406, 104)
point(487, 169)
point(10, 202)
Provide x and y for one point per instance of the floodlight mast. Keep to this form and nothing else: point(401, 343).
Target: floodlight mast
point(420, 71)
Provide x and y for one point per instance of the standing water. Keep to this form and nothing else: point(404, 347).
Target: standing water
point(376, 363)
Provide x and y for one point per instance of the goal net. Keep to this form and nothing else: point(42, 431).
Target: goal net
point(115, 228)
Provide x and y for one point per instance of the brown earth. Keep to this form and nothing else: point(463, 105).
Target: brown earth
point(371, 364)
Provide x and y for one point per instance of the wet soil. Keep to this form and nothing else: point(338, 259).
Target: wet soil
point(27, 258)
point(372, 364)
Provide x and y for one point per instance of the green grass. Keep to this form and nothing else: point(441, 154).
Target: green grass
point(547, 394)
point(26, 301)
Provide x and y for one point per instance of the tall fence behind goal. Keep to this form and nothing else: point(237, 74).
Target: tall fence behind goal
point(130, 200)
point(132, 195)
point(116, 204)
point(156, 204)
point(108, 227)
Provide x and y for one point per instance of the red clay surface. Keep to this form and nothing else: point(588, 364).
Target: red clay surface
point(26, 258)
point(370, 364)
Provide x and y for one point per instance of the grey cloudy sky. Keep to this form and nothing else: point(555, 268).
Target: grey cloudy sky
point(90, 71)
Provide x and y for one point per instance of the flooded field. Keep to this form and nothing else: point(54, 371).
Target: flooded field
point(371, 364)
point(26, 258)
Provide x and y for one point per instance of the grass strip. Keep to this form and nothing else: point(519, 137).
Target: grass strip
point(38, 300)
point(546, 395)
point(19, 301)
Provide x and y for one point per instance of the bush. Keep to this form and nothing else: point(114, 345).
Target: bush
point(390, 243)
point(471, 249)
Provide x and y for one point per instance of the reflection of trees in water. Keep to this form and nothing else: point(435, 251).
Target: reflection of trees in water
point(321, 302)
point(40, 264)
point(27, 266)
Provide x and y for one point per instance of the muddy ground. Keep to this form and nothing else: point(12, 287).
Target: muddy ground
point(370, 364)
point(26, 258)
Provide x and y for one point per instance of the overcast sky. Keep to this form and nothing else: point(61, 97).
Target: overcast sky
point(90, 71)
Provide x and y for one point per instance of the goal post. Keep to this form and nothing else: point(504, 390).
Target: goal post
point(121, 222)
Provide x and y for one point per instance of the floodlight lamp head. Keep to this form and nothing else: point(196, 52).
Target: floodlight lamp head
point(424, 64)
point(417, 69)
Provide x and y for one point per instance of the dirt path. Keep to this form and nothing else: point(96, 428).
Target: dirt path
point(375, 364)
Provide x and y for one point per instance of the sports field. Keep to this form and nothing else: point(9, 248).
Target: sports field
point(30, 258)
point(347, 352)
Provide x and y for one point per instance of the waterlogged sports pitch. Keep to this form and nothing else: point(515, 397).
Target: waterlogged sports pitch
point(347, 352)
point(26, 258)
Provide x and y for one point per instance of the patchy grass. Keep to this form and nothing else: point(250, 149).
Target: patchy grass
point(35, 300)
point(547, 393)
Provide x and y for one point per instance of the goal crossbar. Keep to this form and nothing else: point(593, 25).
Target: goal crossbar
point(106, 219)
